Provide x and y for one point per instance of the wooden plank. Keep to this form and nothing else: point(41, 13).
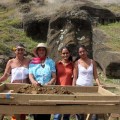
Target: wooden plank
point(11, 86)
point(74, 89)
point(62, 109)
point(6, 96)
point(109, 87)
point(23, 99)
point(83, 93)
point(71, 102)
point(2, 87)
point(71, 88)
point(103, 91)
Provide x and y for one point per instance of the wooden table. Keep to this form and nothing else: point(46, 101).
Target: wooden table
point(84, 100)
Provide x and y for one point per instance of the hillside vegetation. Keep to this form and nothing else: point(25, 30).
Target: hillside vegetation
point(113, 33)
point(12, 32)
point(11, 29)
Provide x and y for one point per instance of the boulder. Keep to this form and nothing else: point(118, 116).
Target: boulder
point(108, 60)
point(36, 27)
point(70, 28)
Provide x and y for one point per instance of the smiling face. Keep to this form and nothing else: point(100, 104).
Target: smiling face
point(82, 52)
point(65, 54)
point(20, 51)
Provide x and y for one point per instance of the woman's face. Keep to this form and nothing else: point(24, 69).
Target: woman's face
point(82, 52)
point(65, 54)
point(41, 52)
point(19, 51)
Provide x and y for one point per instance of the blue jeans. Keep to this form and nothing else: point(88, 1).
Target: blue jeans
point(59, 116)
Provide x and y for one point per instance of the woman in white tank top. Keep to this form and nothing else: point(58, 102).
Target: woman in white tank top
point(85, 70)
point(18, 69)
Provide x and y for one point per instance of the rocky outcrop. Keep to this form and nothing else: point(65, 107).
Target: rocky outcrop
point(108, 60)
point(68, 22)
point(70, 28)
point(36, 27)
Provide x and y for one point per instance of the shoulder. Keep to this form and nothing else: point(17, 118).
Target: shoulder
point(58, 63)
point(76, 62)
point(50, 60)
point(32, 65)
point(11, 61)
point(27, 59)
point(92, 61)
point(71, 63)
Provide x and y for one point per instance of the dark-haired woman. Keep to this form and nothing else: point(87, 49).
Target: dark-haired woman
point(64, 68)
point(85, 71)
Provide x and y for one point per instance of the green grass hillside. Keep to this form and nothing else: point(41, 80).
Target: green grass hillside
point(11, 31)
point(113, 33)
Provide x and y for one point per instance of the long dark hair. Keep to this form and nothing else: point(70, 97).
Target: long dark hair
point(66, 47)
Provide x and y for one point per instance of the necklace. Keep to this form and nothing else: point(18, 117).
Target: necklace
point(42, 64)
point(20, 61)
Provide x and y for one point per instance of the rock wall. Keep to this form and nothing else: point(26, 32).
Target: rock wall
point(70, 28)
point(108, 60)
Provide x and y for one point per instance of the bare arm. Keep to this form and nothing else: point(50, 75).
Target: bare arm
point(75, 73)
point(96, 74)
point(53, 80)
point(7, 72)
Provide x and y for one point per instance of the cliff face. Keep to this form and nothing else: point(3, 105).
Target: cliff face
point(60, 23)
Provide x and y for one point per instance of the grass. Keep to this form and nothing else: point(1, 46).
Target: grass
point(113, 7)
point(112, 30)
point(11, 32)
point(110, 82)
